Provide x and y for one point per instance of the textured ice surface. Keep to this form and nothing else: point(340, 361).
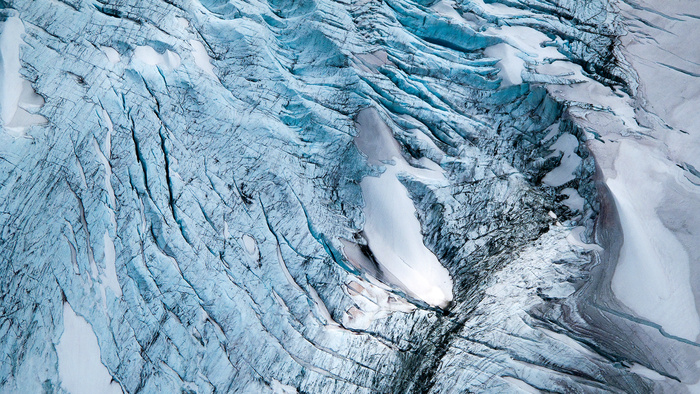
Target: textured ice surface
point(321, 196)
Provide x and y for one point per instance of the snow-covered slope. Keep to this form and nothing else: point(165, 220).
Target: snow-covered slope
point(348, 196)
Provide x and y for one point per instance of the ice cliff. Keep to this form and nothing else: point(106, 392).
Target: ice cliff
point(363, 196)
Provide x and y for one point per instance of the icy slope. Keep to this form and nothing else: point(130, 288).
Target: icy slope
point(328, 196)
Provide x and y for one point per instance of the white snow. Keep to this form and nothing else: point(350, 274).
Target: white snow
point(499, 9)
point(17, 97)
point(281, 388)
point(574, 200)
point(10, 40)
point(592, 93)
point(110, 273)
point(511, 64)
point(372, 302)
point(168, 60)
point(447, 9)
point(112, 54)
point(28, 99)
point(646, 372)
point(522, 47)
point(574, 238)
point(184, 23)
point(528, 41)
point(567, 144)
point(394, 236)
point(79, 365)
point(201, 58)
point(652, 276)
point(520, 386)
point(251, 247)
point(391, 227)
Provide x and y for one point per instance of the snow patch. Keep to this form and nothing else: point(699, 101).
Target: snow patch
point(371, 303)
point(250, 246)
point(18, 101)
point(281, 388)
point(201, 58)
point(511, 64)
point(112, 54)
point(520, 386)
point(10, 40)
point(110, 273)
point(501, 10)
point(574, 200)
point(522, 48)
point(391, 227)
point(168, 60)
point(227, 234)
point(184, 23)
point(566, 144)
point(574, 238)
point(79, 365)
point(646, 372)
point(590, 94)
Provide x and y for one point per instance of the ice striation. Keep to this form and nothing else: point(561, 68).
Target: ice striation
point(349, 196)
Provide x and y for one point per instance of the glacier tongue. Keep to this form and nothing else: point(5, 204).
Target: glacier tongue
point(322, 196)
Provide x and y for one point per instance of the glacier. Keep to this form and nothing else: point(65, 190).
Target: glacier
point(352, 196)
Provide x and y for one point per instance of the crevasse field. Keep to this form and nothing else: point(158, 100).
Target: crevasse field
point(349, 196)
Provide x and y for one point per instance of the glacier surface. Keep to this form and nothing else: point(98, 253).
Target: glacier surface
point(349, 196)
